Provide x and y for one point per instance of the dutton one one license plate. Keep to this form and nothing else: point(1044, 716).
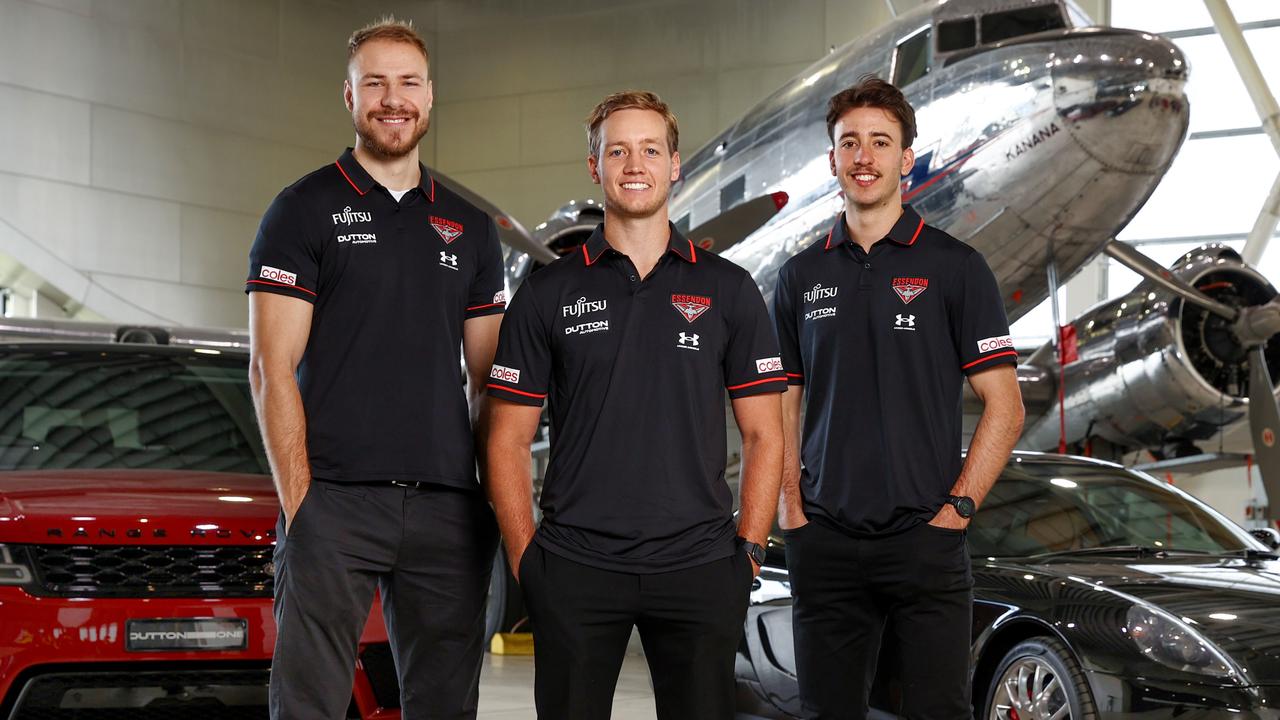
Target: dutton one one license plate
point(168, 634)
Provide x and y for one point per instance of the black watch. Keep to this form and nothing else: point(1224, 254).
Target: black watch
point(754, 551)
point(964, 505)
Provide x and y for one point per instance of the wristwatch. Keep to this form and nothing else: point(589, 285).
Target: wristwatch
point(754, 551)
point(964, 505)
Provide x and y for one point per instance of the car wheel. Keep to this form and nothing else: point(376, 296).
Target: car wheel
point(506, 605)
point(1039, 680)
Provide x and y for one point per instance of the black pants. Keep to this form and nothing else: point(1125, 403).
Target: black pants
point(429, 553)
point(690, 622)
point(845, 589)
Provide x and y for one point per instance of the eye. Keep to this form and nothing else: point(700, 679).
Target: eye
point(616, 152)
point(653, 152)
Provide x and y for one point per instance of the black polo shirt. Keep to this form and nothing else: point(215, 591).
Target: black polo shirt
point(882, 342)
point(392, 283)
point(635, 373)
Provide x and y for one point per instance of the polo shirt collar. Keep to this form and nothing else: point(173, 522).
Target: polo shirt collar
point(362, 182)
point(904, 232)
point(596, 245)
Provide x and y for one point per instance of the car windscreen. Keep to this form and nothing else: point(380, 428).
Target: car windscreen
point(78, 409)
point(1038, 508)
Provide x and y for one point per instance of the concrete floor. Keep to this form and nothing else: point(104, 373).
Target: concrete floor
point(506, 689)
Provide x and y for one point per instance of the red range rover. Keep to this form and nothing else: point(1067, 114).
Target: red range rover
point(137, 524)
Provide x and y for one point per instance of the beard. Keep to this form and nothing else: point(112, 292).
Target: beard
point(391, 143)
point(623, 206)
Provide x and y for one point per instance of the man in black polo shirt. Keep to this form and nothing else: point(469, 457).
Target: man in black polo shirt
point(366, 277)
point(880, 322)
point(633, 341)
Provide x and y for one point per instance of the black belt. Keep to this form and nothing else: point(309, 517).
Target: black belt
point(414, 484)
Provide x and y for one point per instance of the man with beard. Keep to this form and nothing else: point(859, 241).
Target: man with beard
point(365, 279)
point(880, 323)
point(634, 340)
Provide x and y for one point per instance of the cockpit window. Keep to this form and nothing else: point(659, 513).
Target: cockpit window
point(911, 60)
point(957, 35)
point(1077, 16)
point(1000, 26)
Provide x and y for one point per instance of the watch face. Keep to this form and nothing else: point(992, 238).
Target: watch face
point(965, 507)
point(756, 553)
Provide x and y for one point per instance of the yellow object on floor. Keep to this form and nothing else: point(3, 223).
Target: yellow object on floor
point(511, 644)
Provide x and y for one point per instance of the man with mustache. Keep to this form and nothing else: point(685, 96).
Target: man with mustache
point(365, 279)
point(880, 323)
point(633, 341)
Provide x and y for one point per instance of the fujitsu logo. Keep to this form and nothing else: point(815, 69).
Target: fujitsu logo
point(349, 216)
point(820, 293)
point(582, 307)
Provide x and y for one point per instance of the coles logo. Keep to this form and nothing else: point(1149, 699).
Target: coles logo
point(768, 365)
point(995, 343)
point(500, 297)
point(505, 374)
point(278, 275)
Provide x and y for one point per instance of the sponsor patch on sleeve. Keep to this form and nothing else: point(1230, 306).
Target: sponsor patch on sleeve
point(1001, 342)
point(505, 374)
point(768, 365)
point(278, 275)
point(500, 296)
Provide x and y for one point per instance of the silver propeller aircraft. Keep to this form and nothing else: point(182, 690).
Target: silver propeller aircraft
point(1040, 137)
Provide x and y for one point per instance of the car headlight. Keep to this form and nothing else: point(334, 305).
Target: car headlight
point(12, 571)
point(1174, 643)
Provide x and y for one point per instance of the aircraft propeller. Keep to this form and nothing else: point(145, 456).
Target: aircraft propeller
point(1253, 326)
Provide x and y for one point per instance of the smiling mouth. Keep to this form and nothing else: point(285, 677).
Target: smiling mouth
point(635, 186)
point(397, 120)
point(865, 179)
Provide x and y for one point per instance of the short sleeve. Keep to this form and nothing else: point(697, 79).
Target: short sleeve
point(488, 294)
point(784, 322)
point(522, 365)
point(980, 326)
point(285, 256)
point(751, 362)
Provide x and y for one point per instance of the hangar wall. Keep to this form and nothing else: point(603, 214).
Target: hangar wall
point(140, 140)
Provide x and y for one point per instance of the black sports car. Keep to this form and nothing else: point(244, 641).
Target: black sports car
point(1098, 593)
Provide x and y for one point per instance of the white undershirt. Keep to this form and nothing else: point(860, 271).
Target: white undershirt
point(397, 194)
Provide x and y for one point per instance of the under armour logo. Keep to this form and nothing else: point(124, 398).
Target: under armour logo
point(688, 341)
point(449, 261)
point(907, 320)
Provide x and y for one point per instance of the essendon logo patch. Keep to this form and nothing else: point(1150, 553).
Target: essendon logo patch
point(448, 229)
point(690, 306)
point(909, 288)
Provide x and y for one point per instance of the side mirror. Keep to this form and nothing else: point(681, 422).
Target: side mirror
point(1269, 536)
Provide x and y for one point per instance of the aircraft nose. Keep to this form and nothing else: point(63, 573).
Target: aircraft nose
point(1123, 96)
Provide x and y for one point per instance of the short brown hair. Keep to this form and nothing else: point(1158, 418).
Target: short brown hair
point(387, 27)
point(873, 92)
point(630, 100)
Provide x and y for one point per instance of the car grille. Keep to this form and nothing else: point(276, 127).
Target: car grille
point(183, 695)
point(154, 570)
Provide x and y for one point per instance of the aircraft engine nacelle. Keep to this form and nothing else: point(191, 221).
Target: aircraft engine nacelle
point(563, 232)
point(1153, 370)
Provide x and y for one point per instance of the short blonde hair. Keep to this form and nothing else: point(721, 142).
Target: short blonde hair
point(387, 27)
point(630, 100)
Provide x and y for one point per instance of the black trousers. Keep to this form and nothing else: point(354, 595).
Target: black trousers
point(428, 551)
point(845, 589)
point(690, 622)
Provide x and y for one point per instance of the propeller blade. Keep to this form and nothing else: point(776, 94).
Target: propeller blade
point(1264, 424)
point(724, 230)
point(1133, 259)
point(510, 232)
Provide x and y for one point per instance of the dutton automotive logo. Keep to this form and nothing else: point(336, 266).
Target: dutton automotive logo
point(587, 328)
point(448, 230)
point(505, 374)
point(909, 288)
point(277, 275)
point(582, 306)
point(995, 343)
point(349, 216)
point(690, 306)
